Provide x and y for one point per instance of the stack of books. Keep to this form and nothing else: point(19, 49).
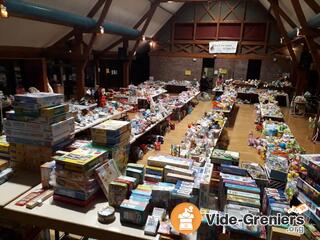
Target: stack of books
point(220, 156)
point(115, 135)
point(135, 210)
point(120, 189)
point(5, 171)
point(4, 148)
point(76, 182)
point(169, 169)
point(308, 185)
point(257, 172)
point(39, 125)
point(274, 203)
point(183, 192)
point(238, 195)
point(136, 171)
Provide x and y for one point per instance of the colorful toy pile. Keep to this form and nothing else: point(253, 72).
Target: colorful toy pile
point(39, 125)
point(147, 118)
point(226, 101)
point(86, 118)
point(202, 136)
point(268, 107)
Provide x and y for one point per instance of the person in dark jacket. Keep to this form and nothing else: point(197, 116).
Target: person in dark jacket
point(204, 84)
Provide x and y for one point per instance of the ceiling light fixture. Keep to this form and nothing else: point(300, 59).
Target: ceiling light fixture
point(281, 40)
point(101, 29)
point(298, 31)
point(143, 38)
point(3, 11)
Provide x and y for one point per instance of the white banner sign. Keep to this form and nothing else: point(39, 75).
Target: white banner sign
point(223, 46)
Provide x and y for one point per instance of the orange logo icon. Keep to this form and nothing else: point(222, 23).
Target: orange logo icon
point(186, 218)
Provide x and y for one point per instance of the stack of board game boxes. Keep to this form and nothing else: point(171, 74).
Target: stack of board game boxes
point(38, 126)
point(308, 185)
point(114, 135)
point(274, 203)
point(136, 208)
point(5, 169)
point(4, 148)
point(169, 169)
point(210, 185)
point(239, 193)
point(75, 175)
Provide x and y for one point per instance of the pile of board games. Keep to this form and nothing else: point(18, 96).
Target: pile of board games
point(39, 125)
point(4, 148)
point(114, 135)
point(238, 194)
point(220, 156)
point(169, 169)
point(74, 177)
point(5, 171)
point(308, 186)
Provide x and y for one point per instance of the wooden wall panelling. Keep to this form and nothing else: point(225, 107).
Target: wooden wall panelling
point(232, 10)
point(183, 31)
point(212, 20)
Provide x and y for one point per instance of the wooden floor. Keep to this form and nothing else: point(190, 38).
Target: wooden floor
point(238, 133)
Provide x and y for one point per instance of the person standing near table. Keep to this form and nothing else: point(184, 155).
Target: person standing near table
point(204, 84)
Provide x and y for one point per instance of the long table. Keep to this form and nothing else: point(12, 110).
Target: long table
point(72, 219)
point(267, 116)
point(177, 110)
point(100, 120)
point(17, 185)
point(135, 137)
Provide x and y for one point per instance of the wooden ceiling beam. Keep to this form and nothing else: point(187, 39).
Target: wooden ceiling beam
point(151, 12)
point(91, 14)
point(287, 18)
point(101, 19)
point(120, 40)
point(313, 5)
point(163, 8)
point(308, 37)
point(276, 10)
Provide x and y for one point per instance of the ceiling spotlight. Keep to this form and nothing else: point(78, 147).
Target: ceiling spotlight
point(101, 29)
point(151, 43)
point(281, 40)
point(143, 38)
point(298, 31)
point(3, 11)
